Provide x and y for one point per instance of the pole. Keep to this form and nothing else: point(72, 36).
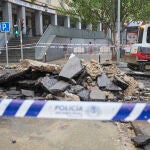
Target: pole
point(6, 42)
point(118, 32)
point(21, 44)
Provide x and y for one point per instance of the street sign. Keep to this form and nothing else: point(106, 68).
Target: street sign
point(5, 27)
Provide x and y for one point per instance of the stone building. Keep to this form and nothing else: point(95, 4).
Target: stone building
point(37, 14)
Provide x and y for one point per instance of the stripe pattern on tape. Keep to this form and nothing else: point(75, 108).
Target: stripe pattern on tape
point(75, 110)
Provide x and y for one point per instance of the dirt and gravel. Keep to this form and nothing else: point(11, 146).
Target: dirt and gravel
point(75, 81)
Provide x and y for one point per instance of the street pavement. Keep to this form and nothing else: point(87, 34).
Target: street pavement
point(42, 134)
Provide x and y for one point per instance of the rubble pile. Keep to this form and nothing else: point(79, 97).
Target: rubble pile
point(77, 80)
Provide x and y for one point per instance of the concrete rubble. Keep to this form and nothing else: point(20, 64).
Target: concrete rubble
point(77, 80)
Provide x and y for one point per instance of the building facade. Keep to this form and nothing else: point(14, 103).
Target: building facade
point(37, 15)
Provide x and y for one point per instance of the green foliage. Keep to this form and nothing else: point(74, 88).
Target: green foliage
point(105, 11)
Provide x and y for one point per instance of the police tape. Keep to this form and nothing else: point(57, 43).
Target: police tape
point(75, 110)
point(56, 45)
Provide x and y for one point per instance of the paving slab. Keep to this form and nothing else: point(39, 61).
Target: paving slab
point(60, 86)
point(141, 140)
point(84, 95)
point(76, 89)
point(103, 81)
point(97, 94)
point(11, 75)
point(27, 93)
point(72, 68)
point(48, 82)
point(119, 82)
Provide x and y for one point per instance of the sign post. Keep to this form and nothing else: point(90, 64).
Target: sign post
point(21, 23)
point(5, 27)
point(21, 44)
point(6, 44)
point(118, 33)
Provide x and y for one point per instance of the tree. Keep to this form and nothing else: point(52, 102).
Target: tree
point(105, 11)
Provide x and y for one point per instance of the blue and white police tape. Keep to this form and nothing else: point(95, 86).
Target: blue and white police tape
point(75, 110)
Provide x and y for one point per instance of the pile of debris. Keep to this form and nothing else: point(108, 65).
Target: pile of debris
point(76, 80)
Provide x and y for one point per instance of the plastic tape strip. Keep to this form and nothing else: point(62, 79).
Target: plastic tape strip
point(75, 110)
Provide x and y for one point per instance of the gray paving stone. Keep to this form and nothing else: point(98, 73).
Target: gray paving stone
point(27, 93)
point(60, 86)
point(84, 95)
point(113, 87)
point(48, 82)
point(103, 81)
point(97, 94)
point(72, 68)
point(13, 92)
point(76, 89)
point(119, 82)
point(141, 140)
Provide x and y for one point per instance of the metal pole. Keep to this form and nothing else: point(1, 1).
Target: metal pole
point(21, 44)
point(6, 42)
point(118, 32)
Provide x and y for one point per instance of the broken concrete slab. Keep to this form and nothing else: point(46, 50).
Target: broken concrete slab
point(103, 81)
point(27, 93)
point(84, 95)
point(13, 92)
point(147, 147)
point(26, 83)
point(141, 140)
point(48, 82)
point(96, 94)
point(60, 86)
point(119, 82)
point(113, 87)
point(81, 77)
point(36, 65)
point(12, 74)
point(72, 68)
point(75, 89)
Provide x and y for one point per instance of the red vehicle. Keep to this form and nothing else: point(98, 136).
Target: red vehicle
point(141, 50)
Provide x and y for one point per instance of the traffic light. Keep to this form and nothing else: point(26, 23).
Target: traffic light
point(21, 24)
point(16, 31)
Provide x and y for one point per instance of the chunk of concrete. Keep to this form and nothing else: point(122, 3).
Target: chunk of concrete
point(60, 86)
point(36, 65)
point(27, 93)
point(96, 94)
point(84, 95)
point(13, 92)
point(141, 140)
point(26, 83)
point(119, 82)
point(103, 81)
point(72, 68)
point(75, 89)
point(12, 75)
point(48, 82)
point(113, 87)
